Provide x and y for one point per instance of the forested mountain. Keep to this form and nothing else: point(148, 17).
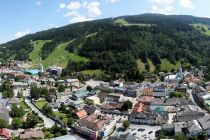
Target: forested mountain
point(114, 45)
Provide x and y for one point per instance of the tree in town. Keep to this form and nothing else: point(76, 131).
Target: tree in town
point(89, 88)
point(127, 105)
point(52, 90)
point(16, 111)
point(44, 92)
point(176, 95)
point(17, 123)
point(8, 94)
point(61, 88)
point(47, 109)
point(35, 92)
point(62, 108)
point(20, 94)
point(32, 120)
point(70, 122)
point(3, 123)
point(126, 124)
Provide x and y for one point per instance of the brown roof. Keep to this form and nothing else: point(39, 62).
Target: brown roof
point(81, 113)
point(110, 105)
point(27, 134)
point(94, 122)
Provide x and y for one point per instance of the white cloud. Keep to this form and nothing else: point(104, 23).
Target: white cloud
point(187, 4)
point(38, 3)
point(62, 5)
point(162, 2)
point(93, 9)
point(22, 33)
point(113, 1)
point(162, 10)
point(74, 5)
point(76, 17)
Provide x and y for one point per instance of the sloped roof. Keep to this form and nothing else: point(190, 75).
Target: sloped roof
point(81, 113)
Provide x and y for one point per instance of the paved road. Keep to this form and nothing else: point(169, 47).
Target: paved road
point(48, 123)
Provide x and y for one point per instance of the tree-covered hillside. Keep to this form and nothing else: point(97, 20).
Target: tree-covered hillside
point(118, 45)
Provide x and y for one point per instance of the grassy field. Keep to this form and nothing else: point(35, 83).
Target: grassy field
point(97, 72)
point(203, 28)
point(41, 103)
point(23, 105)
point(167, 66)
point(35, 54)
point(61, 116)
point(151, 65)
point(59, 57)
point(140, 65)
point(126, 23)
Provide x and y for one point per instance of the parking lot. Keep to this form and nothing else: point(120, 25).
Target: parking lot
point(142, 132)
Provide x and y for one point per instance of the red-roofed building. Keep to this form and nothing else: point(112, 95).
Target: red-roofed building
point(139, 107)
point(4, 133)
point(145, 99)
point(81, 114)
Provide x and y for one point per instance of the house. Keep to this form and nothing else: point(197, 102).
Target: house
point(188, 114)
point(181, 88)
point(93, 100)
point(95, 126)
point(174, 78)
point(147, 91)
point(194, 128)
point(81, 114)
point(76, 104)
point(5, 134)
point(32, 134)
point(145, 99)
point(90, 109)
point(4, 113)
point(113, 97)
point(80, 94)
point(139, 107)
point(102, 96)
point(72, 82)
point(113, 108)
point(117, 83)
point(160, 91)
point(191, 128)
point(157, 104)
point(205, 123)
point(55, 70)
point(149, 118)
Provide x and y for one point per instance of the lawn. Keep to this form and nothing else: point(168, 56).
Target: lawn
point(60, 57)
point(96, 72)
point(41, 103)
point(61, 116)
point(126, 23)
point(167, 66)
point(203, 28)
point(151, 65)
point(24, 105)
point(140, 65)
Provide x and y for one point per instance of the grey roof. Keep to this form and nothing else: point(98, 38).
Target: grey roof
point(149, 115)
point(66, 137)
point(205, 122)
point(157, 101)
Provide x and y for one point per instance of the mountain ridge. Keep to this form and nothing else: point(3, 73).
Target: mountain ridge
point(114, 45)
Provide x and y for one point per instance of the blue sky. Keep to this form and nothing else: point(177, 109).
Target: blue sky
point(21, 17)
